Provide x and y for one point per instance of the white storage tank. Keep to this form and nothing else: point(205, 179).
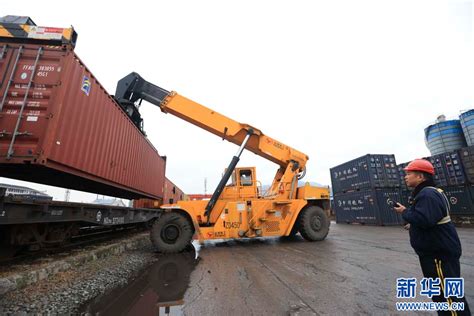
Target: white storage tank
point(467, 123)
point(444, 135)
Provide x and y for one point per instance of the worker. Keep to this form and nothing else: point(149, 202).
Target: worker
point(432, 234)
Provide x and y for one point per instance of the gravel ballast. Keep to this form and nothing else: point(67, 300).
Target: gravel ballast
point(89, 274)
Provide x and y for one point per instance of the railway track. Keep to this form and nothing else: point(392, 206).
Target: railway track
point(33, 228)
point(21, 254)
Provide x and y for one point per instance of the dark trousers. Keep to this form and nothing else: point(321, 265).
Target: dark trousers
point(444, 268)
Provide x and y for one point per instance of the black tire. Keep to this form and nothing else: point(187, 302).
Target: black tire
point(313, 223)
point(171, 233)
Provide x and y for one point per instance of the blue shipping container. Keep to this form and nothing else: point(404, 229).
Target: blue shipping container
point(454, 171)
point(440, 171)
point(370, 207)
point(467, 160)
point(460, 199)
point(369, 171)
point(440, 177)
point(448, 169)
point(402, 173)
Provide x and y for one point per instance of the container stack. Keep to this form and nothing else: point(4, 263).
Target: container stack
point(467, 162)
point(462, 195)
point(452, 160)
point(405, 192)
point(454, 173)
point(450, 176)
point(363, 189)
point(460, 199)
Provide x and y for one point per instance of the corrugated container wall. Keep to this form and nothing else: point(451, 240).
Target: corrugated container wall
point(369, 171)
point(448, 169)
point(402, 173)
point(147, 203)
point(71, 133)
point(467, 124)
point(460, 199)
point(444, 136)
point(172, 193)
point(453, 167)
point(467, 159)
point(368, 207)
point(439, 177)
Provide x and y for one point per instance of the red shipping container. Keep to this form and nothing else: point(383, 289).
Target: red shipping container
point(172, 193)
point(147, 203)
point(71, 132)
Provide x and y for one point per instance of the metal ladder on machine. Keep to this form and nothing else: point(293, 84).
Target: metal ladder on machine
point(15, 132)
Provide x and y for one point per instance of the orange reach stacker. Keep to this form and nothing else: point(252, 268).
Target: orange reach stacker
point(239, 209)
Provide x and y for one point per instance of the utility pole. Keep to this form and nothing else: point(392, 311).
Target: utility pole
point(67, 195)
point(205, 186)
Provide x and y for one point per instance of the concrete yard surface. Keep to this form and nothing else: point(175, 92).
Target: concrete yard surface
point(354, 271)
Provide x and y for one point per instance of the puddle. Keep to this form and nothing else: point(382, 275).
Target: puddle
point(159, 290)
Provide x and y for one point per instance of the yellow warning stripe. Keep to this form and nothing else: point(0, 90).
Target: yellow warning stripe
point(13, 30)
point(25, 27)
point(4, 32)
point(68, 35)
point(441, 276)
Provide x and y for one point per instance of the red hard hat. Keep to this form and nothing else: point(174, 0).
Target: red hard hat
point(420, 165)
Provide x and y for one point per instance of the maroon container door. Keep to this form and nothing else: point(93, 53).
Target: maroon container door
point(17, 67)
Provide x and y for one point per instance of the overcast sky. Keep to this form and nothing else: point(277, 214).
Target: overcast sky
point(333, 79)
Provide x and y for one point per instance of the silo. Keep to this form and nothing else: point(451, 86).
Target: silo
point(467, 123)
point(444, 135)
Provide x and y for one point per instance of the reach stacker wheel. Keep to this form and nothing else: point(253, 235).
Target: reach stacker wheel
point(171, 233)
point(313, 223)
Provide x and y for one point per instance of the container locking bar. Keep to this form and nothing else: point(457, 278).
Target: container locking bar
point(10, 80)
point(23, 105)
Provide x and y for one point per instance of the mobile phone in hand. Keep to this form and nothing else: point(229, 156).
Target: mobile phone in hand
point(393, 203)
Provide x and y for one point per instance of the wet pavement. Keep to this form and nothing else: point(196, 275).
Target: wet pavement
point(353, 271)
point(159, 290)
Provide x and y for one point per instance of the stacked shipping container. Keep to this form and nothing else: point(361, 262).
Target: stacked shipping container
point(458, 186)
point(467, 162)
point(454, 166)
point(454, 173)
point(362, 190)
